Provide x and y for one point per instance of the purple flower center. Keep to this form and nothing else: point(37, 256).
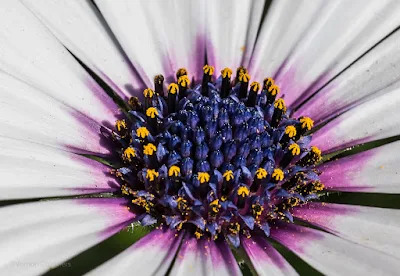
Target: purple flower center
point(218, 158)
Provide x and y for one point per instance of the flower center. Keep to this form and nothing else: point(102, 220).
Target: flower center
point(218, 158)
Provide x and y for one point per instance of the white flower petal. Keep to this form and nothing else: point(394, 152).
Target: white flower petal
point(376, 228)
point(151, 255)
point(375, 119)
point(203, 257)
point(374, 171)
point(304, 44)
point(38, 236)
point(158, 37)
point(30, 170)
point(78, 26)
point(332, 255)
point(32, 54)
point(372, 76)
point(231, 28)
point(266, 259)
point(29, 114)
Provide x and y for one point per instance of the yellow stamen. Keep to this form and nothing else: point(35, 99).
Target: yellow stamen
point(198, 234)
point(295, 148)
point(148, 93)
point(291, 131)
point(142, 132)
point(257, 210)
point(244, 77)
point(226, 72)
point(215, 205)
point(280, 104)
point(318, 186)
point(174, 171)
point(129, 153)
point(268, 82)
point(203, 177)
point(278, 174)
point(120, 124)
point(255, 86)
point(241, 70)
point(224, 198)
point(209, 70)
point(293, 201)
point(228, 175)
point(274, 90)
point(234, 228)
point(151, 174)
point(181, 72)
point(149, 149)
point(261, 173)
point(173, 88)
point(316, 150)
point(184, 81)
point(243, 191)
point(306, 122)
point(151, 112)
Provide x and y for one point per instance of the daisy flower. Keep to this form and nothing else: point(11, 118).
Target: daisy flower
point(214, 132)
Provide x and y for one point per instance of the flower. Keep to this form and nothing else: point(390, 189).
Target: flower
point(212, 156)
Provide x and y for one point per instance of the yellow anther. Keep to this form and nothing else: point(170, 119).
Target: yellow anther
point(209, 70)
point(215, 205)
point(295, 148)
point(203, 177)
point(184, 81)
point(129, 153)
point(244, 77)
point(181, 72)
point(151, 174)
point(234, 228)
point(142, 132)
point(120, 124)
point(257, 210)
point(261, 173)
point(125, 189)
point(140, 201)
point(274, 90)
point(293, 201)
point(278, 175)
point(173, 88)
point(280, 104)
point(306, 122)
point(243, 191)
point(316, 150)
point(291, 131)
point(151, 112)
point(148, 93)
point(179, 226)
point(198, 234)
point(228, 175)
point(182, 204)
point(318, 186)
point(255, 86)
point(149, 149)
point(268, 82)
point(241, 70)
point(226, 72)
point(174, 171)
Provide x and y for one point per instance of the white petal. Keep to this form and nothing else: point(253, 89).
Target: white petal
point(332, 255)
point(231, 28)
point(77, 24)
point(30, 170)
point(376, 228)
point(151, 255)
point(374, 171)
point(373, 75)
point(157, 36)
point(266, 259)
point(29, 114)
point(372, 120)
point(38, 236)
point(31, 53)
point(203, 257)
point(303, 44)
